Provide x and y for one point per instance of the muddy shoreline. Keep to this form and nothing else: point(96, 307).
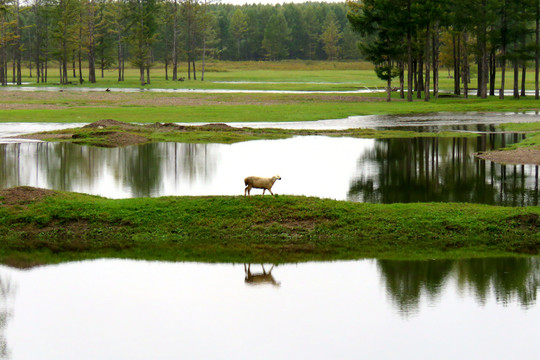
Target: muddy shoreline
point(521, 156)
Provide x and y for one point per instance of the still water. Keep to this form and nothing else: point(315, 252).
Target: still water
point(369, 309)
point(365, 170)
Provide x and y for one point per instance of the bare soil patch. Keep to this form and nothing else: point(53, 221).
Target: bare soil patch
point(13, 100)
point(520, 156)
point(23, 195)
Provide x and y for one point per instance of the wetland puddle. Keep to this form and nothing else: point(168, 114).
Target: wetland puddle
point(365, 170)
point(118, 309)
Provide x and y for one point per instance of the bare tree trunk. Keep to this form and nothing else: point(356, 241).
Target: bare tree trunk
point(409, 58)
point(420, 72)
point(410, 71)
point(204, 43)
point(537, 54)
point(456, 52)
point(64, 67)
point(465, 71)
point(492, 72)
point(523, 76)
point(18, 55)
point(74, 67)
point(175, 42)
point(427, 52)
point(91, 43)
point(503, 72)
point(435, 55)
point(203, 58)
point(401, 80)
point(119, 58)
point(483, 66)
point(389, 88)
point(516, 75)
point(81, 80)
point(503, 50)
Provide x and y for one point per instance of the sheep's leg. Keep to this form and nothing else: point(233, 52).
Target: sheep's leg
point(264, 191)
point(248, 190)
point(271, 192)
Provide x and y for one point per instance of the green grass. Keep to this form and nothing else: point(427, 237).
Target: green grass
point(298, 111)
point(70, 226)
point(349, 75)
point(237, 107)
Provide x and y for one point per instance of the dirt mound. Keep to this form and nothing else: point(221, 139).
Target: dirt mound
point(513, 157)
point(101, 124)
point(217, 126)
point(23, 195)
point(166, 126)
point(125, 139)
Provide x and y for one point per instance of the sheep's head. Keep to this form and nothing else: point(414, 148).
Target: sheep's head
point(277, 177)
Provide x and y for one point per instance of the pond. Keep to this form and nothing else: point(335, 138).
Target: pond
point(118, 309)
point(365, 170)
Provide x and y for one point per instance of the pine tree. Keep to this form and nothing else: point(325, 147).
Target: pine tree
point(239, 28)
point(276, 35)
point(331, 37)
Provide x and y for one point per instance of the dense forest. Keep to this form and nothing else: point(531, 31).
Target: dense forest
point(465, 35)
point(414, 37)
point(104, 34)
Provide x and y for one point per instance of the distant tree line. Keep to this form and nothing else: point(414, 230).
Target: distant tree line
point(468, 36)
point(72, 35)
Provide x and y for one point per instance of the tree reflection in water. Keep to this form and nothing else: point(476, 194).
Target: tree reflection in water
point(141, 171)
point(507, 279)
point(6, 293)
point(443, 170)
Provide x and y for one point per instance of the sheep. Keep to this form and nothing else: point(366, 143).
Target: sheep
point(260, 183)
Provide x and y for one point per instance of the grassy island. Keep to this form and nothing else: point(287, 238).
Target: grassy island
point(42, 226)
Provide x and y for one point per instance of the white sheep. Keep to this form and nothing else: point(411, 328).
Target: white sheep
point(260, 183)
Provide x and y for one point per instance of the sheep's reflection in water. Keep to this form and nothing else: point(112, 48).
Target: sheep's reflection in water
point(265, 277)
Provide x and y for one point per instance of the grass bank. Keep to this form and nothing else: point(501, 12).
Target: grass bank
point(40, 226)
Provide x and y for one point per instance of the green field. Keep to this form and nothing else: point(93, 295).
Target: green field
point(290, 75)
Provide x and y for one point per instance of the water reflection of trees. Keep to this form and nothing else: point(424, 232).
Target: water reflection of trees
point(408, 281)
point(143, 170)
point(506, 279)
point(6, 293)
point(443, 170)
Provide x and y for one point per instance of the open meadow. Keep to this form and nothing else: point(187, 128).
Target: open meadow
point(235, 92)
